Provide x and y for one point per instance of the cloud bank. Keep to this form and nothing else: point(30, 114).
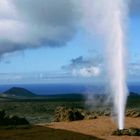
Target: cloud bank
point(85, 67)
point(87, 72)
point(36, 23)
point(134, 7)
point(32, 23)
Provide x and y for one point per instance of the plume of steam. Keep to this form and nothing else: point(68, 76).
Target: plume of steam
point(108, 19)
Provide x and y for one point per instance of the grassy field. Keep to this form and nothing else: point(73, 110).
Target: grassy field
point(36, 111)
point(42, 111)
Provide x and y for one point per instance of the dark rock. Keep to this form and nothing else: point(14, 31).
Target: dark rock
point(2, 114)
point(67, 114)
point(78, 115)
point(106, 113)
point(137, 114)
point(129, 132)
point(128, 113)
point(11, 120)
point(90, 117)
point(133, 113)
point(15, 120)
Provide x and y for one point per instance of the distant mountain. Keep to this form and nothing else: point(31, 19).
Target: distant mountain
point(22, 93)
point(16, 92)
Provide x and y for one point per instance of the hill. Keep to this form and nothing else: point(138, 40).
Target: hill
point(22, 93)
point(18, 92)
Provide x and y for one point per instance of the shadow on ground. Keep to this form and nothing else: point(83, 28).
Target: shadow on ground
point(42, 133)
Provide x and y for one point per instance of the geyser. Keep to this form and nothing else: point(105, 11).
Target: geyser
point(116, 62)
point(108, 18)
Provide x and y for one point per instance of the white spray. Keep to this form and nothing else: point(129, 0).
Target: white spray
point(108, 18)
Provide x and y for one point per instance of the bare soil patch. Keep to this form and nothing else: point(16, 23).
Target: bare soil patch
point(101, 127)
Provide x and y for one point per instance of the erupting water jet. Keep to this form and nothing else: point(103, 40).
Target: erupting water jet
point(109, 18)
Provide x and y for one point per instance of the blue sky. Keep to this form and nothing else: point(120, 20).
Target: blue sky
point(60, 62)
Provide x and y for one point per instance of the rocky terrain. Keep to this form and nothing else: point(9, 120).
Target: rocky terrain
point(6, 120)
point(64, 117)
point(72, 114)
point(127, 132)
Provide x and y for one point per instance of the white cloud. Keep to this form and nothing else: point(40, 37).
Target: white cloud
point(36, 23)
point(87, 72)
point(134, 69)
